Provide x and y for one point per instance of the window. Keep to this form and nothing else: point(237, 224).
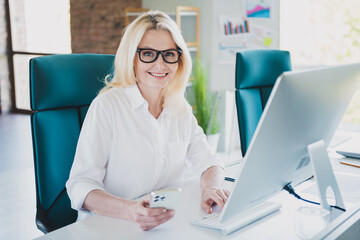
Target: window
point(321, 32)
point(37, 27)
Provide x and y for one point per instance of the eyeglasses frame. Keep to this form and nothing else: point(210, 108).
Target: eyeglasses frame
point(159, 52)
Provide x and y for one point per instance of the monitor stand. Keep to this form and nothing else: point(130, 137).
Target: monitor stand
point(324, 174)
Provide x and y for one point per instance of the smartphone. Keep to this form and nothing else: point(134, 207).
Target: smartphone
point(166, 198)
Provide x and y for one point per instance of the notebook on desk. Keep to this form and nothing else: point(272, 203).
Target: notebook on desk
point(350, 148)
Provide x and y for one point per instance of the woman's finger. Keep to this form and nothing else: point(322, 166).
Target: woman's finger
point(222, 194)
point(143, 208)
point(151, 222)
point(206, 206)
point(168, 214)
point(217, 199)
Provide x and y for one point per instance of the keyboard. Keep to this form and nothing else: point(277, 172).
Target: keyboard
point(243, 219)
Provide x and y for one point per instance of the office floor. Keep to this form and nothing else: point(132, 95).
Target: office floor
point(17, 184)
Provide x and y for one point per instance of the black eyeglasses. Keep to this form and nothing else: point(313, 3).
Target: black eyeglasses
point(148, 55)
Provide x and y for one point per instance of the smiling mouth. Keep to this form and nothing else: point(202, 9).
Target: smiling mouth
point(158, 74)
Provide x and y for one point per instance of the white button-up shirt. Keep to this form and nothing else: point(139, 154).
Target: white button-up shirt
point(125, 151)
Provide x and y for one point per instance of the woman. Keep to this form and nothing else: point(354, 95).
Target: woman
point(139, 133)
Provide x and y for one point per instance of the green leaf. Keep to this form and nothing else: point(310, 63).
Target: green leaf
point(203, 99)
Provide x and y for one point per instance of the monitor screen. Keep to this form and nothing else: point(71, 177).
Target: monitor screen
point(304, 107)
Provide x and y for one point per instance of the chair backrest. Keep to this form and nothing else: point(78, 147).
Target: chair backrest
point(61, 89)
point(256, 74)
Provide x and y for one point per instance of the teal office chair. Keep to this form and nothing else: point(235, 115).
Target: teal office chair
point(61, 89)
point(255, 76)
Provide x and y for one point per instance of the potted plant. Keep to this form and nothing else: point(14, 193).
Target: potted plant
point(204, 106)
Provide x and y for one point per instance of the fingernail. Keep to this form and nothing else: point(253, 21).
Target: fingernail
point(164, 211)
point(172, 213)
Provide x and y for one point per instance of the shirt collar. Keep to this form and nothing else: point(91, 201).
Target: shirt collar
point(137, 100)
point(135, 97)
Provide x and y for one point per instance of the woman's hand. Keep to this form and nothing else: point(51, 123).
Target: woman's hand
point(212, 192)
point(211, 196)
point(147, 217)
point(101, 202)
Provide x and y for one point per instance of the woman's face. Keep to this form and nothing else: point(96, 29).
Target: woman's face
point(158, 73)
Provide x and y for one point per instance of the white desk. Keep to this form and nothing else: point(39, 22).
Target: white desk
point(279, 225)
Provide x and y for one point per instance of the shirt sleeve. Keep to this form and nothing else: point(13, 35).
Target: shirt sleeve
point(199, 156)
point(92, 154)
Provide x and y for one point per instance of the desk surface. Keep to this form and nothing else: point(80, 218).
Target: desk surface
point(279, 225)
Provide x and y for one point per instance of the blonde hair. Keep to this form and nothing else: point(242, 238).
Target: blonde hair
point(124, 75)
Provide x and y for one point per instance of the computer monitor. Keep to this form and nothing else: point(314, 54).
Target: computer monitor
point(304, 107)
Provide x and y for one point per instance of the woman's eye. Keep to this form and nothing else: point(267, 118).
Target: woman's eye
point(169, 54)
point(148, 53)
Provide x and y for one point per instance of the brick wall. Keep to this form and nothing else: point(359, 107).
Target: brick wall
point(96, 26)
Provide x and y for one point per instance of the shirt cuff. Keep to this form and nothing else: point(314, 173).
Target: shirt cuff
point(78, 192)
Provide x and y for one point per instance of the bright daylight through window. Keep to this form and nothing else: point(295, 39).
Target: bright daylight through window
point(322, 33)
point(37, 26)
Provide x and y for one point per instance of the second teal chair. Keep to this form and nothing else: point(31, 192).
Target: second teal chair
point(61, 89)
point(256, 74)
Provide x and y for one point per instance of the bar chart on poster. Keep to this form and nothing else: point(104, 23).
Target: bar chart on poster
point(240, 25)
